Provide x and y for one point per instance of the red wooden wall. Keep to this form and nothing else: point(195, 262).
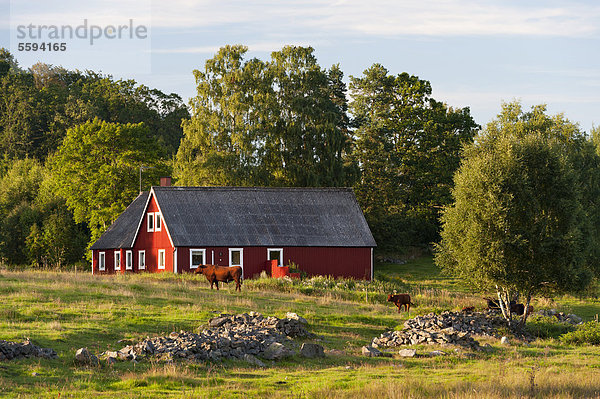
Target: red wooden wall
point(337, 262)
point(151, 242)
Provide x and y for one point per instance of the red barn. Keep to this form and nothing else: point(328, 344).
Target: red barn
point(175, 229)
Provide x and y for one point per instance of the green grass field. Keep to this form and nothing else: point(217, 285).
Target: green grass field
point(66, 311)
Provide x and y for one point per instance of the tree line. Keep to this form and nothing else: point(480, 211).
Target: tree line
point(73, 143)
point(511, 206)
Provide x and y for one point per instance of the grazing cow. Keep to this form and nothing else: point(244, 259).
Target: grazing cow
point(225, 274)
point(492, 303)
point(517, 308)
point(401, 300)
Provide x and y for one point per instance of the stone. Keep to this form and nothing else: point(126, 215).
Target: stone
point(83, 356)
point(407, 352)
point(253, 360)
point(311, 350)
point(369, 351)
point(218, 321)
point(276, 351)
point(294, 316)
point(504, 341)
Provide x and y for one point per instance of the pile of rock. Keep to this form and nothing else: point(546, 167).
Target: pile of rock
point(15, 350)
point(448, 328)
point(242, 336)
point(565, 318)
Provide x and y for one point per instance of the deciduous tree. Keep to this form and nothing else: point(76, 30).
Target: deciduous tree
point(97, 170)
point(520, 220)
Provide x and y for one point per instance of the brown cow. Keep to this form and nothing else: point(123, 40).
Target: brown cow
point(225, 274)
point(401, 300)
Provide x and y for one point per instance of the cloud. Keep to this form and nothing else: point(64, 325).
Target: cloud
point(386, 17)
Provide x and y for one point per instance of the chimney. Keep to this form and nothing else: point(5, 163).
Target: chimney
point(165, 181)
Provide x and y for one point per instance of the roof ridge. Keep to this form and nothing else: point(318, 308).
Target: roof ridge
point(253, 188)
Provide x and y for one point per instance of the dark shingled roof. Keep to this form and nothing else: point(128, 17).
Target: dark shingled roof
point(249, 216)
point(120, 234)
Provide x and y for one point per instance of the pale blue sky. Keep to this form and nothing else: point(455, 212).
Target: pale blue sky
point(474, 53)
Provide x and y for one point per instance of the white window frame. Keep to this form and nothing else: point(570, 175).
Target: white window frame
point(157, 222)
point(203, 256)
point(150, 222)
point(241, 256)
point(117, 260)
point(141, 256)
point(128, 255)
point(280, 250)
point(164, 259)
point(102, 261)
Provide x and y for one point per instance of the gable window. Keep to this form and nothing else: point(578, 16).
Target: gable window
point(161, 258)
point(150, 222)
point(141, 260)
point(117, 260)
point(128, 260)
point(101, 261)
point(157, 221)
point(197, 258)
point(275, 253)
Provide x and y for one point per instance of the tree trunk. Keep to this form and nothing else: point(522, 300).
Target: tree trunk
point(505, 312)
point(526, 312)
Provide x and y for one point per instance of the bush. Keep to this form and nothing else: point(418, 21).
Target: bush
point(547, 326)
point(587, 333)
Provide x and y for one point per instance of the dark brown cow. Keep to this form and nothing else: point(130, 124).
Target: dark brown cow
point(401, 300)
point(225, 274)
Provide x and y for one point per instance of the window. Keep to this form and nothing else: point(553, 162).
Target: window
point(197, 258)
point(150, 222)
point(101, 261)
point(275, 253)
point(161, 258)
point(157, 221)
point(236, 256)
point(141, 260)
point(128, 260)
point(117, 260)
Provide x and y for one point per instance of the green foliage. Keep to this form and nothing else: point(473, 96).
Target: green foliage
point(97, 170)
point(39, 105)
point(342, 288)
point(517, 223)
point(408, 147)
point(277, 123)
point(547, 327)
point(38, 229)
point(587, 333)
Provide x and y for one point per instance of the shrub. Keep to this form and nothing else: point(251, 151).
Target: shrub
point(547, 326)
point(587, 333)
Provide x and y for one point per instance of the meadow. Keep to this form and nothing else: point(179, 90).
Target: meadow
point(68, 310)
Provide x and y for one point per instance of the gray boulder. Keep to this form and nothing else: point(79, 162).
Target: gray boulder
point(407, 352)
point(369, 351)
point(83, 356)
point(253, 360)
point(294, 316)
point(311, 350)
point(276, 351)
